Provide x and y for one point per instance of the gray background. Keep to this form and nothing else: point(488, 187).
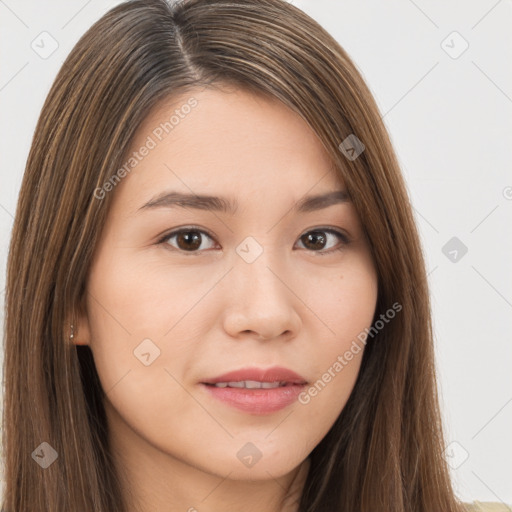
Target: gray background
point(448, 110)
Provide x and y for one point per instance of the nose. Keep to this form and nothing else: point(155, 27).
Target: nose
point(261, 302)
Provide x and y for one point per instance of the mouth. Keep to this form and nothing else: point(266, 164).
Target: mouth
point(255, 390)
point(254, 378)
point(250, 384)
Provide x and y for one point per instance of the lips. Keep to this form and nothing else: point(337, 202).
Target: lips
point(283, 376)
point(256, 391)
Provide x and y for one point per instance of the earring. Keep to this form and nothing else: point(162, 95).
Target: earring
point(72, 335)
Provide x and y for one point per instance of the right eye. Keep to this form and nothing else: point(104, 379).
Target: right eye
point(189, 239)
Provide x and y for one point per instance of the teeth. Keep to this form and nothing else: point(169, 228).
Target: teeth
point(250, 384)
point(236, 384)
point(270, 385)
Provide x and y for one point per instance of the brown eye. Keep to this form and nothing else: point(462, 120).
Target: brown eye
point(318, 239)
point(315, 240)
point(191, 240)
point(188, 240)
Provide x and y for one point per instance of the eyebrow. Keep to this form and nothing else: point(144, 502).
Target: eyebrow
point(230, 206)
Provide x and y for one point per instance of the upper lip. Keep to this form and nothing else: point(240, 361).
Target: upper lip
point(273, 374)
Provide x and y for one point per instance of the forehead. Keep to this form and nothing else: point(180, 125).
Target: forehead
point(231, 143)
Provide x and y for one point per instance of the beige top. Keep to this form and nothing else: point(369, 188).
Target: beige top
point(487, 506)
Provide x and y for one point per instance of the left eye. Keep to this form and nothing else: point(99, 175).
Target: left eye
point(190, 239)
point(318, 235)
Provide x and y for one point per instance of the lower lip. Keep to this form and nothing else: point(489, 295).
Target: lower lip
point(257, 401)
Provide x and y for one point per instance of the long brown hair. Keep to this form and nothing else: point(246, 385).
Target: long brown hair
point(385, 451)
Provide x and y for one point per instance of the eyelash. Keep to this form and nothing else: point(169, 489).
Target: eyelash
point(344, 239)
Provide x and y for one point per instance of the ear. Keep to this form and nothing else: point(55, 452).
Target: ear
point(81, 327)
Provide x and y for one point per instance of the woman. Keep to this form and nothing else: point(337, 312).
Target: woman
point(173, 339)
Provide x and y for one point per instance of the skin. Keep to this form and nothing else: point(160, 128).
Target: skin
point(212, 311)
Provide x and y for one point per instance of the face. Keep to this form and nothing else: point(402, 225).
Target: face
point(181, 293)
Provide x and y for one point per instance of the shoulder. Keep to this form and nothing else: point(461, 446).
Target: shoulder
point(487, 506)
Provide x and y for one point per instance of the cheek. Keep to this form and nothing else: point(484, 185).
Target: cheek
point(346, 306)
point(131, 308)
point(142, 296)
point(336, 360)
point(143, 311)
point(343, 300)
